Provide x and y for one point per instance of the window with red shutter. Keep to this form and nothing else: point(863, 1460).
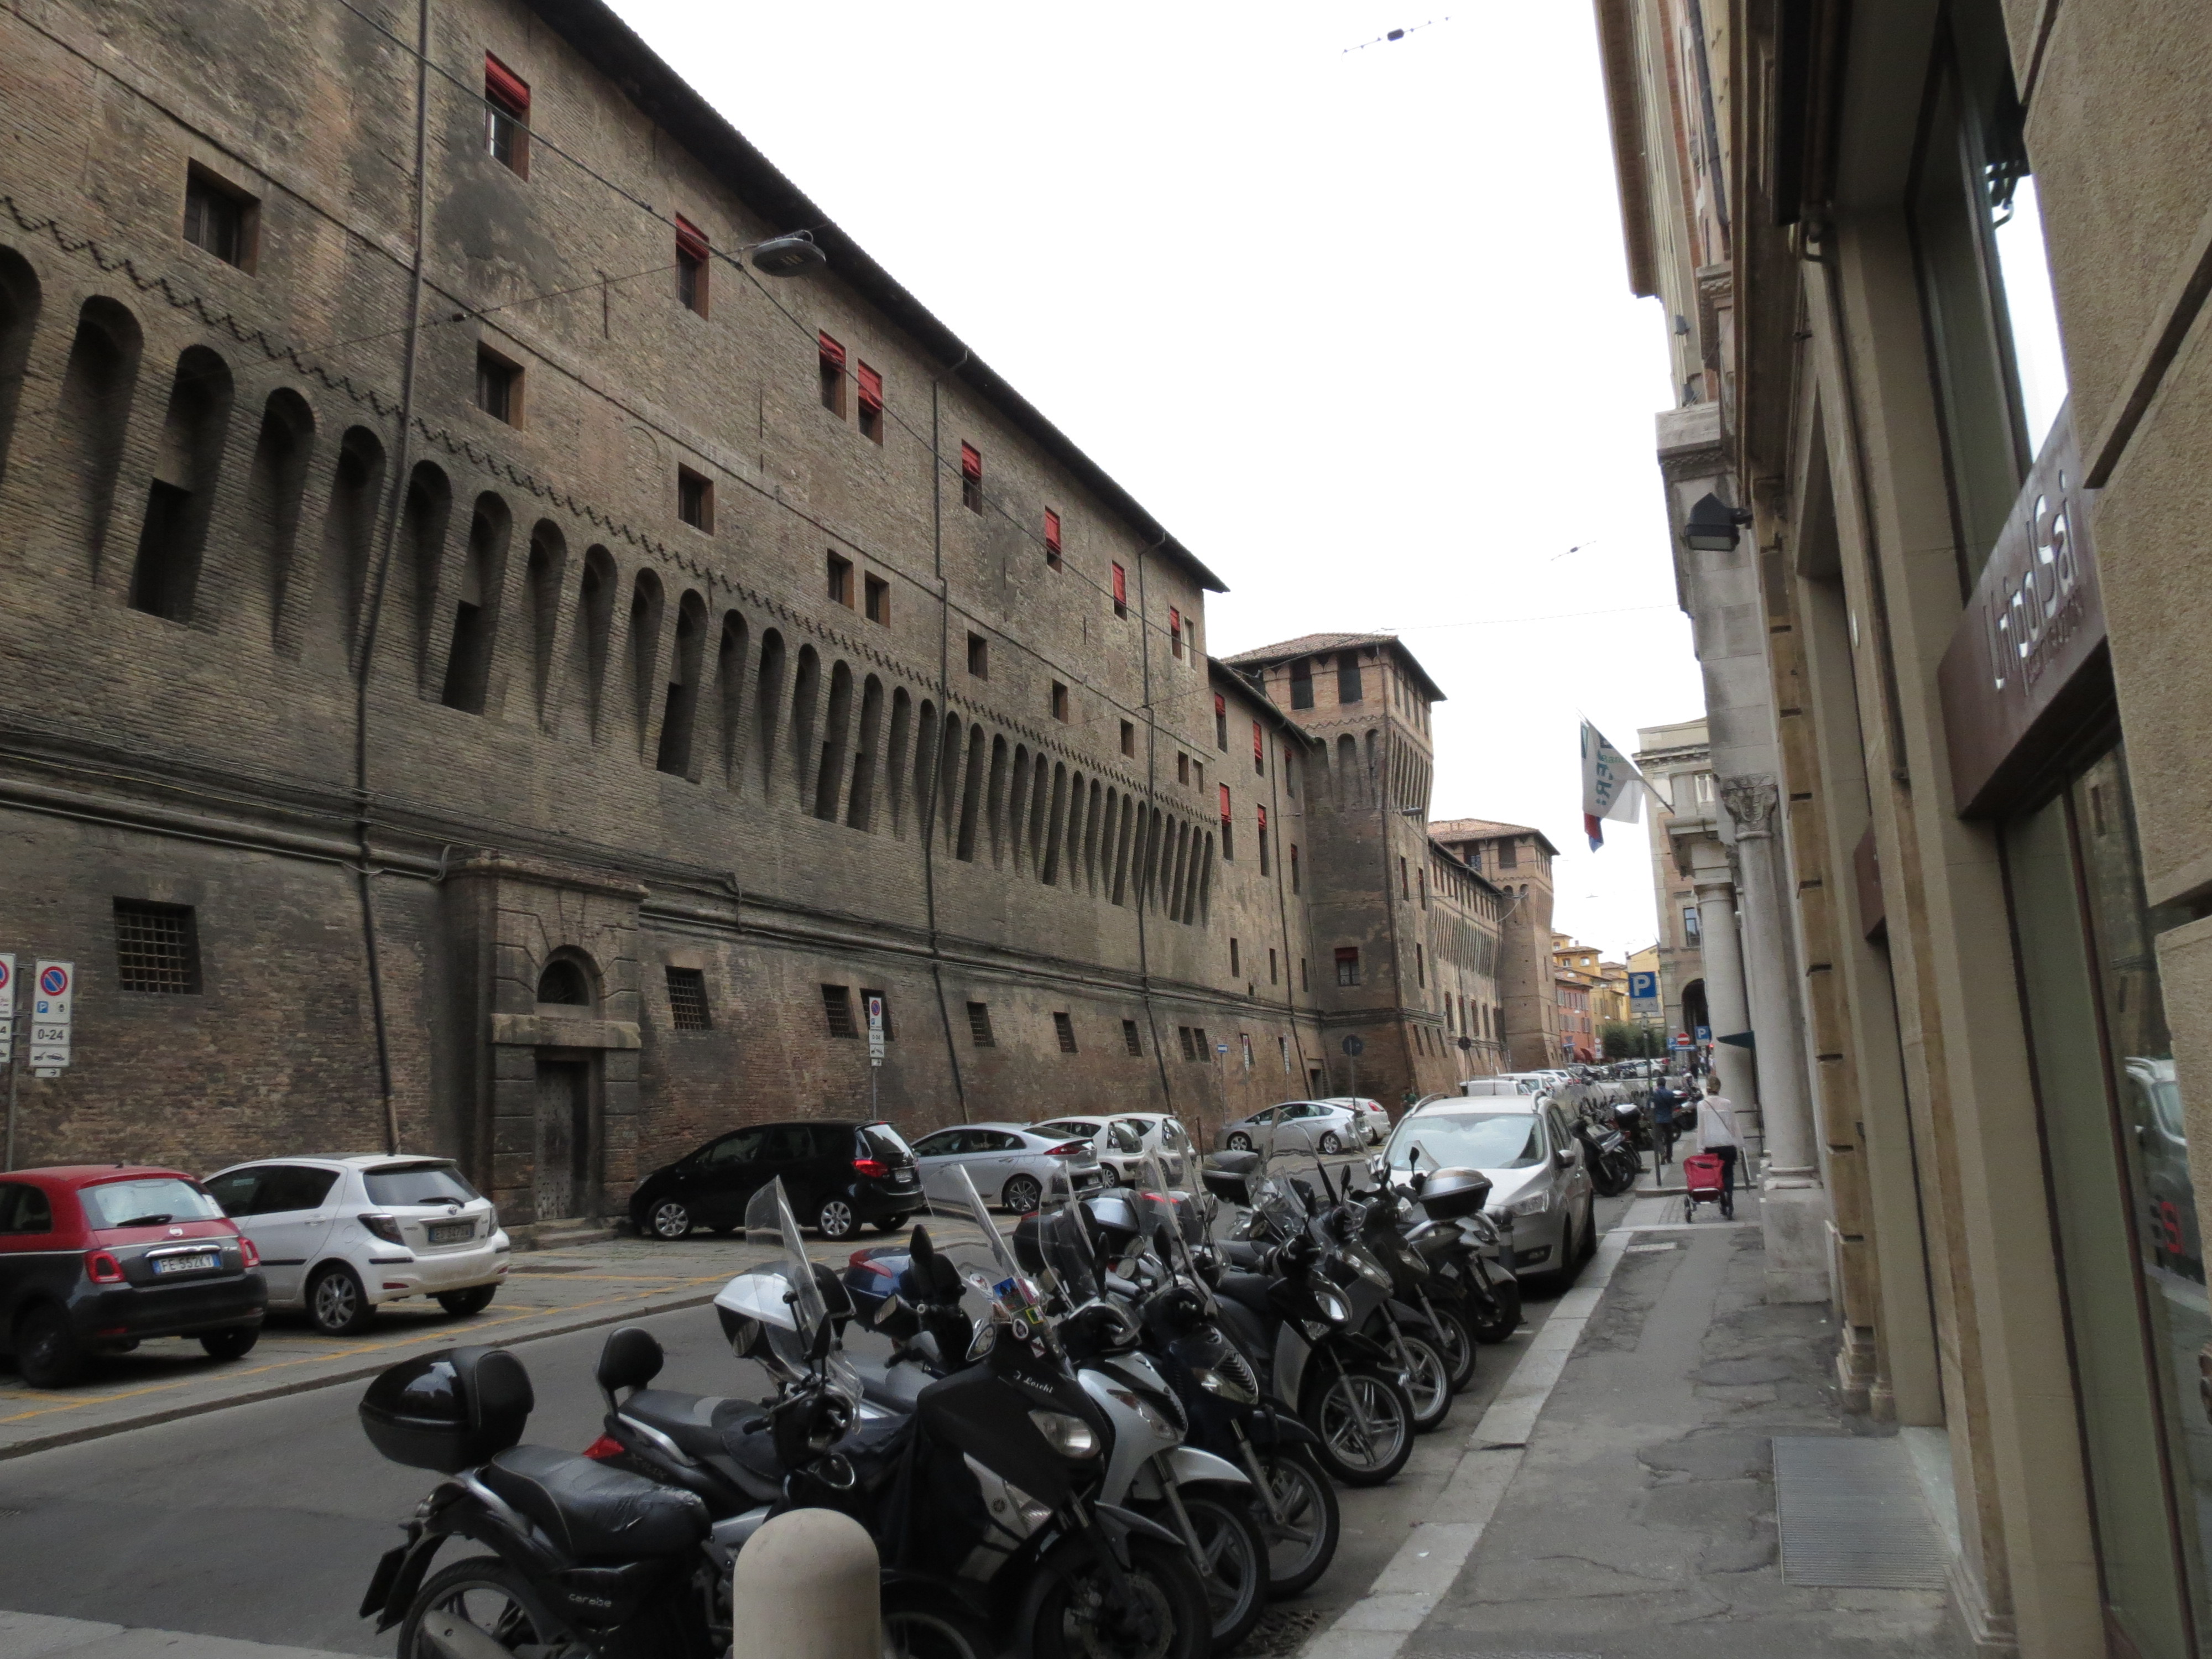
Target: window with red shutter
point(831, 356)
point(971, 477)
point(1175, 630)
point(1220, 723)
point(1121, 591)
point(507, 116)
point(872, 401)
point(1052, 538)
point(1224, 804)
point(1259, 750)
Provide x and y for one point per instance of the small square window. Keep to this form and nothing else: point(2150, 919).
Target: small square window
point(1130, 1040)
point(868, 998)
point(506, 117)
point(157, 948)
point(1271, 965)
point(1236, 965)
point(831, 356)
point(691, 256)
point(1294, 867)
point(837, 1005)
point(1302, 683)
point(1121, 591)
point(979, 1024)
point(979, 656)
point(872, 403)
point(840, 581)
point(1129, 738)
point(971, 477)
point(1058, 701)
point(499, 386)
point(1303, 984)
point(1221, 722)
point(1347, 965)
point(1205, 1048)
point(694, 499)
point(1189, 1045)
point(878, 595)
point(1182, 768)
point(1064, 1029)
point(218, 219)
point(1174, 631)
point(687, 999)
point(1052, 538)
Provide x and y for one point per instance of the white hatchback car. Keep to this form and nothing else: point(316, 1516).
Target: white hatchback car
point(339, 1236)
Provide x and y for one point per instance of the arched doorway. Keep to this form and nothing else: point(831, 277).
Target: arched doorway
point(1693, 1008)
point(566, 1139)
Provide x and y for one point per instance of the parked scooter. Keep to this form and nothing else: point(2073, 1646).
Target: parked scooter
point(1613, 1161)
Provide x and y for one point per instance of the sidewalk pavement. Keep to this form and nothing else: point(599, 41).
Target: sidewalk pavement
point(35, 1636)
point(1618, 1501)
point(548, 1292)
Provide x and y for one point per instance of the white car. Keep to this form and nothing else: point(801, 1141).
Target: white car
point(1372, 1119)
point(1162, 1135)
point(1118, 1140)
point(340, 1236)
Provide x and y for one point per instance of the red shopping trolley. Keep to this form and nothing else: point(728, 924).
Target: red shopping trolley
point(1701, 1174)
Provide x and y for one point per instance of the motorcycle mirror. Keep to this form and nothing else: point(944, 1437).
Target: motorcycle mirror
point(1413, 1156)
point(1566, 1157)
point(822, 1339)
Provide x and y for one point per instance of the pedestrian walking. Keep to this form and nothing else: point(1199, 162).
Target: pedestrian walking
point(1717, 1133)
point(1663, 1125)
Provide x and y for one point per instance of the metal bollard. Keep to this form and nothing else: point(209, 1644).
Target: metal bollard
point(805, 1586)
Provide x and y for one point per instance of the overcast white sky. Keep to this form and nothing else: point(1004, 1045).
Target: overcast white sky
point(1355, 327)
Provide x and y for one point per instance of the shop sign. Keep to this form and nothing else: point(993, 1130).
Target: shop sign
point(2028, 658)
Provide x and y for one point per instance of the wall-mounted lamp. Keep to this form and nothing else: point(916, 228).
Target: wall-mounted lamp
point(794, 255)
point(1714, 526)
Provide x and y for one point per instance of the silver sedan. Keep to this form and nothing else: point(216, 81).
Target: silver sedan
point(1541, 1197)
point(1012, 1165)
point(1299, 1126)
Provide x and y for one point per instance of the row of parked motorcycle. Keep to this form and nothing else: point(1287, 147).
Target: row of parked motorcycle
point(1115, 1435)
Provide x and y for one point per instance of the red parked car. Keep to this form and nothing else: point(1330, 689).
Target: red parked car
point(94, 1257)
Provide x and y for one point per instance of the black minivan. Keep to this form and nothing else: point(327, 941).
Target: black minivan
point(837, 1176)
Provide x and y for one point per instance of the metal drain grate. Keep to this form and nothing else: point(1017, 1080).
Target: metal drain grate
point(1284, 1630)
point(1851, 1515)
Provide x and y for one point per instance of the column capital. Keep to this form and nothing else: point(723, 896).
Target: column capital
point(1750, 801)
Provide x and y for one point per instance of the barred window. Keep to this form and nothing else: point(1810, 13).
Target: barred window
point(1064, 1029)
point(837, 1004)
point(979, 1024)
point(1129, 1037)
point(687, 999)
point(157, 948)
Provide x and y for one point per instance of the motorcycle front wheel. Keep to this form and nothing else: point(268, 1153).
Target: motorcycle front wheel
point(1502, 1318)
point(1457, 1342)
point(1233, 1563)
point(1366, 1423)
point(1074, 1613)
point(922, 1627)
point(1429, 1381)
point(1302, 1527)
point(482, 1591)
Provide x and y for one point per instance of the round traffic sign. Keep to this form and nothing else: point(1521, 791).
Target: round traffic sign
point(1465, 1043)
point(1354, 1046)
point(54, 981)
point(5, 975)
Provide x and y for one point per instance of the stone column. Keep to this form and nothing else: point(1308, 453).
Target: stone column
point(1786, 1111)
point(1725, 1004)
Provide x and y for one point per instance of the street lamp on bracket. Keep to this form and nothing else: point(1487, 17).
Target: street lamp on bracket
point(1713, 525)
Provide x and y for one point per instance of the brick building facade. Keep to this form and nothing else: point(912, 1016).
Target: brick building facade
point(484, 669)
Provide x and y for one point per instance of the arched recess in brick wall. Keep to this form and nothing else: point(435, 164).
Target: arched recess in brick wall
point(1090, 829)
point(165, 574)
point(972, 793)
point(948, 776)
point(995, 793)
point(276, 489)
point(593, 634)
point(1018, 789)
point(836, 728)
point(569, 980)
point(926, 736)
point(472, 622)
point(859, 812)
point(901, 739)
point(543, 576)
point(768, 709)
point(92, 417)
point(20, 300)
point(729, 699)
point(348, 533)
point(1206, 886)
point(646, 604)
point(679, 711)
point(1055, 825)
point(805, 720)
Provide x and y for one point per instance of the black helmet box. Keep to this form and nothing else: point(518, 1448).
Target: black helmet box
point(448, 1411)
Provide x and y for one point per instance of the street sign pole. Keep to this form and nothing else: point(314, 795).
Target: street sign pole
point(8, 1050)
point(875, 1051)
point(1353, 1048)
point(53, 998)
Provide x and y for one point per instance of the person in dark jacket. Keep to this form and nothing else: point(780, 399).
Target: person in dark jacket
point(1663, 1102)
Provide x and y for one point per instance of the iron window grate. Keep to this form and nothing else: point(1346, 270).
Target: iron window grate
point(157, 948)
point(1064, 1029)
point(837, 1004)
point(979, 1024)
point(687, 999)
point(1129, 1037)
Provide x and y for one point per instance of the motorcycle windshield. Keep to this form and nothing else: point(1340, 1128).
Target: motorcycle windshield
point(1285, 1207)
point(1065, 1241)
point(769, 1220)
point(1155, 1206)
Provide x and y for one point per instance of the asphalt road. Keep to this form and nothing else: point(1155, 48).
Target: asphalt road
point(262, 1521)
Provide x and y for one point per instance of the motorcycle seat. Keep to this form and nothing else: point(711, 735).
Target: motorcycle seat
point(1240, 1252)
point(590, 1509)
point(700, 1423)
point(897, 1386)
point(1246, 1290)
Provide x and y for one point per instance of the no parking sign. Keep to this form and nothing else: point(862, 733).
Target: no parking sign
point(54, 994)
point(7, 1008)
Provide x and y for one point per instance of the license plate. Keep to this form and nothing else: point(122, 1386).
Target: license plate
point(452, 1232)
point(188, 1264)
point(904, 1178)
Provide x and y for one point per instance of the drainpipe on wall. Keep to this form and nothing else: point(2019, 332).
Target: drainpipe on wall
point(365, 871)
point(1152, 784)
point(944, 710)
